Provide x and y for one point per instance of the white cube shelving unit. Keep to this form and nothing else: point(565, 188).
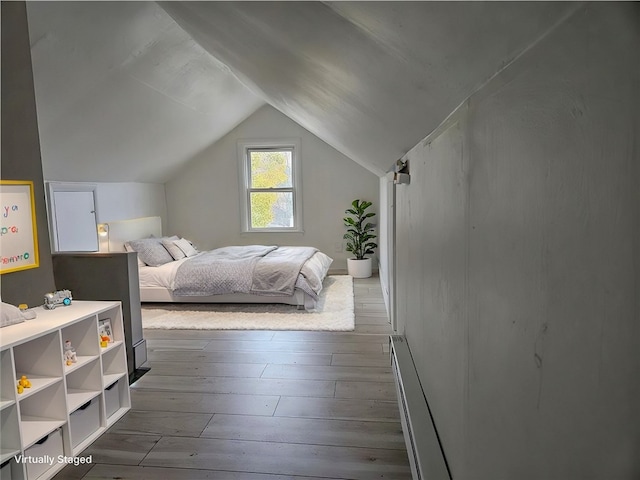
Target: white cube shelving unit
point(91, 393)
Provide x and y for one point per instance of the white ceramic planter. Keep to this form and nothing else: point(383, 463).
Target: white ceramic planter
point(359, 268)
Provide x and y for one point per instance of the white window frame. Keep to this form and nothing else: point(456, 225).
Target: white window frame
point(244, 163)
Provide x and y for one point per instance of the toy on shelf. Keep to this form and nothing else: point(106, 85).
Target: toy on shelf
point(27, 313)
point(61, 297)
point(104, 330)
point(70, 356)
point(23, 383)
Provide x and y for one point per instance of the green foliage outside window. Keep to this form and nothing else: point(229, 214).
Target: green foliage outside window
point(269, 169)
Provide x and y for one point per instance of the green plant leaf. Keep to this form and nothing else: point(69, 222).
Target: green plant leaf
point(359, 233)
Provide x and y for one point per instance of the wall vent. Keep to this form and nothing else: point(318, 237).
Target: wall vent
point(426, 456)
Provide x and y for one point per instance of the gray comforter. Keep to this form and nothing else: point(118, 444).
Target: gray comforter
point(257, 269)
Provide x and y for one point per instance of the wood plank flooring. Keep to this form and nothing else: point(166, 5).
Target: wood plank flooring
point(261, 405)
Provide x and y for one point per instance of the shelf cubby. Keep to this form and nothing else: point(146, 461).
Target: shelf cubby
point(117, 329)
point(51, 445)
point(9, 440)
point(86, 421)
point(111, 346)
point(38, 383)
point(80, 362)
point(10, 469)
point(8, 385)
point(83, 384)
point(114, 362)
point(83, 336)
point(40, 360)
point(41, 414)
point(117, 399)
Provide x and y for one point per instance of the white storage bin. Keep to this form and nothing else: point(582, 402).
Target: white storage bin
point(112, 398)
point(84, 421)
point(5, 470)
point(47, 447)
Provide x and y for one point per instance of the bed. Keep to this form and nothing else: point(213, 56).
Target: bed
point(171, 269)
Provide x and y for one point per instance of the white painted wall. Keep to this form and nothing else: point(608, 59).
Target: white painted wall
point(518, 259)
point(203, 199)
point(122, 201)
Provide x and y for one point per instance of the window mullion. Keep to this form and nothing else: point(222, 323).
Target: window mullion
point(271, 190)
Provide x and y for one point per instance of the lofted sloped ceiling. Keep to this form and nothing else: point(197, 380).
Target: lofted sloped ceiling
point(124, 94)
point(369, 78)
point(126, 91)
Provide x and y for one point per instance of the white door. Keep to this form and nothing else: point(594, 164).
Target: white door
point(75, 222)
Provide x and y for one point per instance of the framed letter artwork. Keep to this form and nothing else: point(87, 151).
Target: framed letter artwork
point(18, 230)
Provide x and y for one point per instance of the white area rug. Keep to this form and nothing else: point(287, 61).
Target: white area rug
point(334, 312)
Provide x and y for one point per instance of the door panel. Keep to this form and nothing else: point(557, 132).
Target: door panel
point(75, 221)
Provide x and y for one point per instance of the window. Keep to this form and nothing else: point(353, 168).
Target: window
point(270, 193)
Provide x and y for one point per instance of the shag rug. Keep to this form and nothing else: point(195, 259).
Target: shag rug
point(334, 312)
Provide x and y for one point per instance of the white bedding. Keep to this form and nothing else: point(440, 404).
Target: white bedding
point(157, 283)
point(163, 276)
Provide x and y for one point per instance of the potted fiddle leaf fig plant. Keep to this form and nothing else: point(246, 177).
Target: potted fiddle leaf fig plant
point(359, 238)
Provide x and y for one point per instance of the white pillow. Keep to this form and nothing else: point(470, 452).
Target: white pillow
point(173, 249)
point(186, 247)
point(128, 248)
point(151, 251)
point(11, 315)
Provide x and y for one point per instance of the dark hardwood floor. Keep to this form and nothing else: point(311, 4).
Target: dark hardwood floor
point(261, 405)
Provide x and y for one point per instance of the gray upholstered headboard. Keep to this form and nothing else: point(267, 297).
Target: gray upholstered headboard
point(124, 230)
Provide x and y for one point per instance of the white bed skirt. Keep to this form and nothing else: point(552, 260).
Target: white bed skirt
point(163, 295)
